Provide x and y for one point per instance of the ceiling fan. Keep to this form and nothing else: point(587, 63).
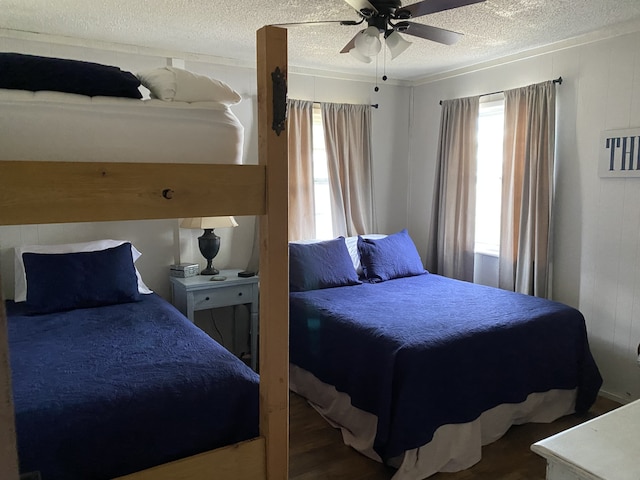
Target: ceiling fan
point(390, 18)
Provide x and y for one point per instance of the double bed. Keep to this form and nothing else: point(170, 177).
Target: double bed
point(418, 370)
point(141, 355)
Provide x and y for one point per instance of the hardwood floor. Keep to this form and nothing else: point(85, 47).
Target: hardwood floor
point(317, 451)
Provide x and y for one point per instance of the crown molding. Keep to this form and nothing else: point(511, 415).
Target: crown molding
point(624, 28)
point(186, 56)
point(122, 48)
point(345, 75)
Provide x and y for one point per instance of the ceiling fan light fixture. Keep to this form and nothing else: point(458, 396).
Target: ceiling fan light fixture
point(397, 44)
point(359, 56)
point(368, 42)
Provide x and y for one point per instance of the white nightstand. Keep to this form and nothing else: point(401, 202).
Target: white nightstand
point(201, 293)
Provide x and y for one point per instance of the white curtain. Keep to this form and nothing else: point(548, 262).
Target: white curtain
point(451, 243)
point(301, 193)
point(527, 189)
point(347, 132)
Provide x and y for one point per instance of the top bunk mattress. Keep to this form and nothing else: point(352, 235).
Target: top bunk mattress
point(56, 126)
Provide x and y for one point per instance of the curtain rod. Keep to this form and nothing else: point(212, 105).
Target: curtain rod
point(557, 80)
point(374, 105)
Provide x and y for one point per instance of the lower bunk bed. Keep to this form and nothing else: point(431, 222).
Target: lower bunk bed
point(150, 386)
point(418, 370)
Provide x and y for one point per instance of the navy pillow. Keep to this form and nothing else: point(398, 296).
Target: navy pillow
point(31, 72)
point(390, 257)
point(320, 265)
point(66, 281)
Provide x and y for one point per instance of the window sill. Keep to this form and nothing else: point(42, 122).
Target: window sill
point(486, 251)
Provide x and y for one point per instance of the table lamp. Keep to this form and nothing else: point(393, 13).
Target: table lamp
point(209, 242)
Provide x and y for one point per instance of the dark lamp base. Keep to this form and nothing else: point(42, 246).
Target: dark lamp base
point(209, 244)
point(210, 271)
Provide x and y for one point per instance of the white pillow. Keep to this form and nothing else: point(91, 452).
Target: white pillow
point(161, 82)
point(176, 84)
point(352, 246)
point(20, 293)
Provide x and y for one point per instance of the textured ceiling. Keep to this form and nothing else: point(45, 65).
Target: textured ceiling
point(226, 28)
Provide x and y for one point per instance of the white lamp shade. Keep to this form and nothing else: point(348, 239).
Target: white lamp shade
point(397, 44)
point(208, 222)
point(356, 54)
point(368, 42)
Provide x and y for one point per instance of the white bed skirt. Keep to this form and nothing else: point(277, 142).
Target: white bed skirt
point(453, 448)
point(67, 127)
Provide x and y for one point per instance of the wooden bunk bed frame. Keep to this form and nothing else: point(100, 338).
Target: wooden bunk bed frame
point(60, 192)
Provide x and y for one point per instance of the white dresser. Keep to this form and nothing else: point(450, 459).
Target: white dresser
point(605, 448)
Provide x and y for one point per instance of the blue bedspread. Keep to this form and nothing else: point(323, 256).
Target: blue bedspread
point(425, 351)
point(106, 391)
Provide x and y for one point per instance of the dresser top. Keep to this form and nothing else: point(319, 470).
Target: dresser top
point(606, 447)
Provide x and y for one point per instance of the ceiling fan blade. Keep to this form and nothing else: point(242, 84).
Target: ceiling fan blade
point(320, 22)
point(433, 6)
point(363, 6)
point(428, 32)
point(349, 45)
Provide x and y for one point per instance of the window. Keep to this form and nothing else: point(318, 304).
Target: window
point(489, 177)
point(322, 199)
point(318, 171)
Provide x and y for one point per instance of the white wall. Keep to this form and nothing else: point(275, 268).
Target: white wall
point(597, 223)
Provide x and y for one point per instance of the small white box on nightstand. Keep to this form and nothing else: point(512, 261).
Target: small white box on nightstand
point(184, 270)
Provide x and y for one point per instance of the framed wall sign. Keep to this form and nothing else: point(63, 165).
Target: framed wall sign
point(619, 153)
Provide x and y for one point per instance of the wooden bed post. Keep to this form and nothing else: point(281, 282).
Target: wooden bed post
point(8, 448)
point(274, 254)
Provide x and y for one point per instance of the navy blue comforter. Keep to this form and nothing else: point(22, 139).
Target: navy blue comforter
point(425, 351)
point(106, 391)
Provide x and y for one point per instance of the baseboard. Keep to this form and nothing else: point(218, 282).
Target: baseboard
point(614, 397)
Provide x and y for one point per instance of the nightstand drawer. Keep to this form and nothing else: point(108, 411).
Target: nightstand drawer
point(222, 297)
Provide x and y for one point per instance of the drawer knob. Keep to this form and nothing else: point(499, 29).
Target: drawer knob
point(240, 294)
point(207, 299)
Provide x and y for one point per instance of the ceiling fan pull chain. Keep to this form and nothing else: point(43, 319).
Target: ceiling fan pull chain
point(384, 65)
point(376, 88)
point(384, 69)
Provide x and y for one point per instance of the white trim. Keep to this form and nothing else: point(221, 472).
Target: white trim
point(123, 48)
point(345, 75)
point(613, 31)
point(614, 397)
point(481, 249)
